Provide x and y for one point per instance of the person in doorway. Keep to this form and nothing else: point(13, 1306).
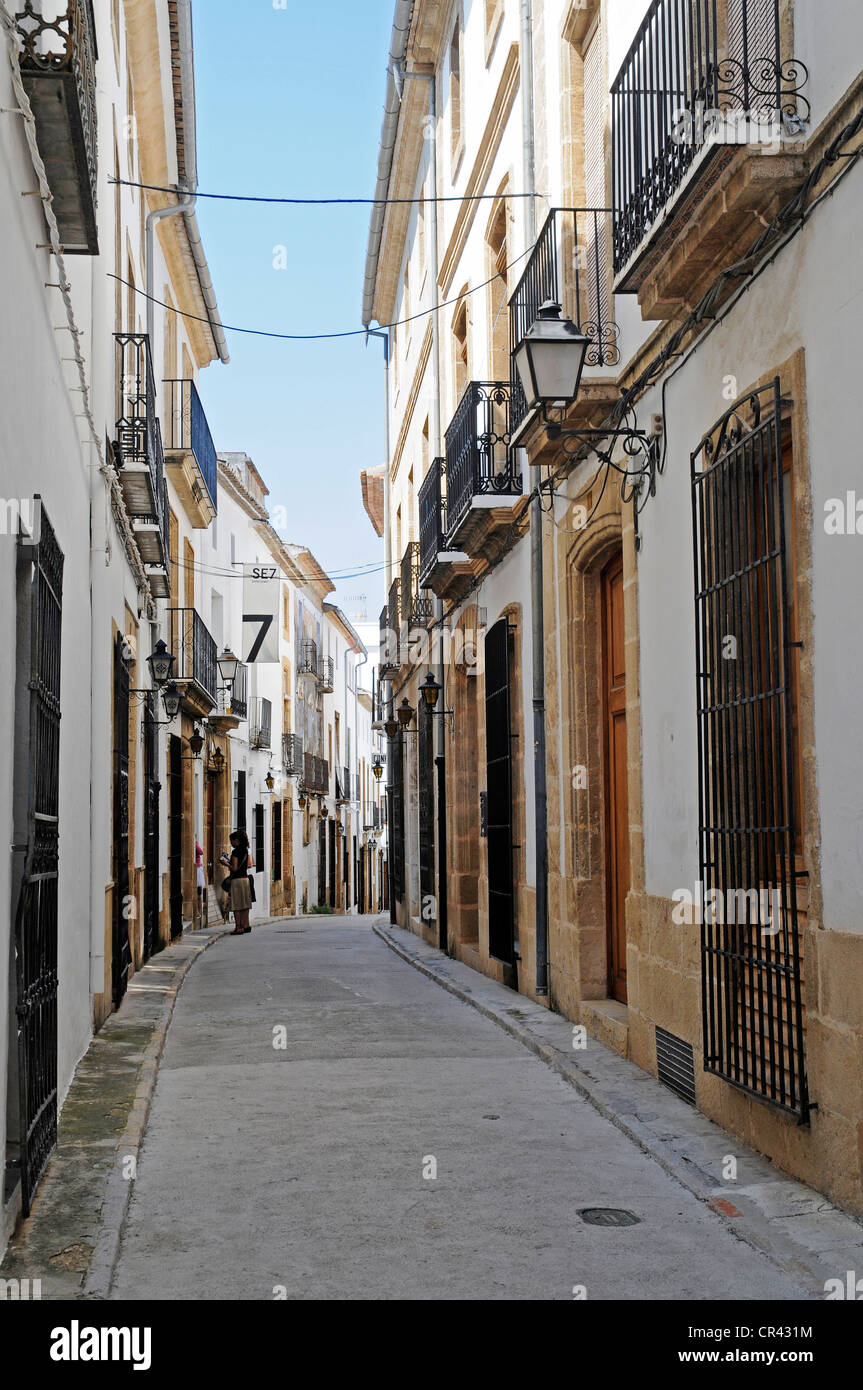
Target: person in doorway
point(242, 865)
point(224, 897)
point(201, 881)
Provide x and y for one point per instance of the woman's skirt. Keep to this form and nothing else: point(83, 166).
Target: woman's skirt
point(202, 882)
point(241, 894)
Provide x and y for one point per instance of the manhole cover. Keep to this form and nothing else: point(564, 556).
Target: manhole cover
point(608, 1216)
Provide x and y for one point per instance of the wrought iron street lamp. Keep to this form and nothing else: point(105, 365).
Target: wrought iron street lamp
point(217, 762)
point(172, 699)
point(161, 664)
point(550, 358)
point(406, 713)
point(227, 664)
point(377, 769)
point(431, 690)
point(270, 780)
point(391, 728)
point(324, 810)
point(196, 743)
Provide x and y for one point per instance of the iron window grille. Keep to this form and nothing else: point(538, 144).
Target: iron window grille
point(259, 838)
point(138, 449)
point(478, 457)
point(751, 943)
point(316, 775)
point(260, 723)
point(189, 431)
point(195, 651)
point(695, 70)
point(417, 604)
point(570, 265)
point(57, 57)
point(292, 755)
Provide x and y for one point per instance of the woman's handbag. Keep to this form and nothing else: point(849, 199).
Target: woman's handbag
point(252, 887)
point(226, 884)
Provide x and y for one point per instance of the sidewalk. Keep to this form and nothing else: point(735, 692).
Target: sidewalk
point(798, 1229)
point(70, 1237)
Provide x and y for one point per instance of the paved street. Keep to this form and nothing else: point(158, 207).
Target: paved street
point(302, 1168)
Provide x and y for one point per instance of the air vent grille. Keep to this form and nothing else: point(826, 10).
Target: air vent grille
point(676, 1065)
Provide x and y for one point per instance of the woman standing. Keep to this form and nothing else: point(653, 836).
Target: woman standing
point(241, 893)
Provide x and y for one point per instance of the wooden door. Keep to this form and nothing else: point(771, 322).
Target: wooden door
point(210, 829)
point(616, 792)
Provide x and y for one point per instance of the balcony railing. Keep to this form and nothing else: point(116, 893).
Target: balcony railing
point(293, 764)
point(478, 457)
point(432, 509)
point(139, 455)
point(233, 699)
point(57, 56)
point(187, 431)
point(316, 774)
point(388, 641)
point(195, 651)
point(308, 662)
point(699, 73)
point(326, 674)
point(260, 723)
point(570, 266)
point(417, 605)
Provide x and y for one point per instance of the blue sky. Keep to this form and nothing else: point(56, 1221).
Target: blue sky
point(290, 103)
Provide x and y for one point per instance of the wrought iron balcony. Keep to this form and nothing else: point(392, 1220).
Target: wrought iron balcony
point(308, 662)
point(417, 605)
point(316, 775)
point(57, 56)
point(698, 77)
point(191, 452)
point(343, 784)
point(139, 456)
point(389, 640)
point(570, 265)
point(442, 570)
point(195, 651)
point(326, 674)
point(293, 764)
point(260, 723)
point(481, 473)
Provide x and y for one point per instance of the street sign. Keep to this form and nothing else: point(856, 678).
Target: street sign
point(262, 596)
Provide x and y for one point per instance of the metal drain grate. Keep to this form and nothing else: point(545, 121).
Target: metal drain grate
point(676, 1065)
point(608, 1216)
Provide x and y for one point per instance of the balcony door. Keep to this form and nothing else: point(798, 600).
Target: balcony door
point(614, 773)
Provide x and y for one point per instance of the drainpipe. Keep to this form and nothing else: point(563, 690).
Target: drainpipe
point(536, 556)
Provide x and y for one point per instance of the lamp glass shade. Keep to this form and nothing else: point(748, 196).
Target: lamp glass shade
point(270, 781)
point(228, 664)
point(406, 712)
point(301, 802)
point(378, 771)
point(171, 699)
point(550, 358)
point(430, 690)
point(218, 760)
point(324, 811)
point(161, 663)
point(196, 743)
point(391, 728)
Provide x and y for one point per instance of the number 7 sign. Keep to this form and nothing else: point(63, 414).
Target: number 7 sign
point(262, 594)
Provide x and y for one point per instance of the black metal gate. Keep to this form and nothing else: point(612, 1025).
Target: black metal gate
point(752, 995)
point(152, 788)
point(175, 835)
point(121, 956)
point(498, 729)
point(332, 897)
point(36, 902)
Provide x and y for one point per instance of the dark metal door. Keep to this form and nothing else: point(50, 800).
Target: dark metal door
point(152, 788)
point(241, 803)
point(175, 836)
point(332, 899)
point(425, 755)
point(397, 817)
point(121, 958)
point(360, 872)
point(498, 733)
point(36, 901)
point(322, 862)
point(752, 986)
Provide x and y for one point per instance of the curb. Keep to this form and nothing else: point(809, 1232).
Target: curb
point(751, 1225)
point(118, 1190)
